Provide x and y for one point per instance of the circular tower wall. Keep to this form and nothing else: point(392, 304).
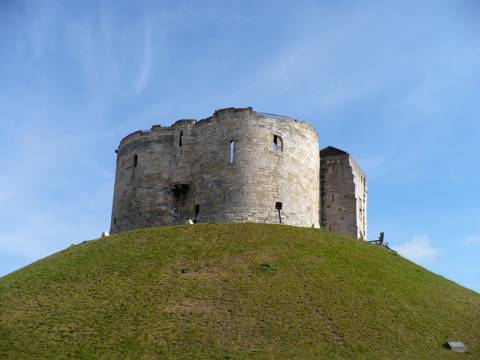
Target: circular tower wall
point(236, 165)
point(255, 168)
point(152, 178)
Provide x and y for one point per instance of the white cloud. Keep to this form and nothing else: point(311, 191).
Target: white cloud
point(419, 250)
point(472, 239)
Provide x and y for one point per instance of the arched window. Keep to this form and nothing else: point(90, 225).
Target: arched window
point(277, 143)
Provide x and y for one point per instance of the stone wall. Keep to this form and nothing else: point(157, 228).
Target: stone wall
point(343, 194)
point(236, 165)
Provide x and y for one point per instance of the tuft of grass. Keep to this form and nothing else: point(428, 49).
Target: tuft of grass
point(236, 291)
point(265, 267)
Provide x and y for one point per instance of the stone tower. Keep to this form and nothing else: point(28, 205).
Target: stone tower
point(343, 194)
point(237, 165)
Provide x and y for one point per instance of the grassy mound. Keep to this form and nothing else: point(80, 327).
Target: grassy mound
point(233, 291)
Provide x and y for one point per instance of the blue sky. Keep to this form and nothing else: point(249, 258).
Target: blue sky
point(394, 83)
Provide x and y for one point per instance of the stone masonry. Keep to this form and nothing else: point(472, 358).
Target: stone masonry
point(235, 166)
point(343, 194)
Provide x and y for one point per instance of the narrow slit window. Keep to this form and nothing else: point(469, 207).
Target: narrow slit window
point(278, 206)
point(180, 139)
point(275, 144)
point(115, 220)
point(135, 161)
point(197, 209)
point(333, 197)
point(232, 150)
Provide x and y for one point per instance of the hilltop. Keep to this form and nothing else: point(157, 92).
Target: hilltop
point(233, 291)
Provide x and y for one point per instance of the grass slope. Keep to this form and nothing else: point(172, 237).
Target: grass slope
point(233, 291)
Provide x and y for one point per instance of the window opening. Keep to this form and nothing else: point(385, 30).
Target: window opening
point(180, 192)
point(180, 138)
point(135, 161)
point(115, 220)
point(277, 143)
point(333, 197)
point(197, 211)
point(278, 206)
point(232, 150)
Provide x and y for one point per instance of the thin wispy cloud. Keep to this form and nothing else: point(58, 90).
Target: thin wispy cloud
point(419, 250)
point(472, 239)
point(146, 63)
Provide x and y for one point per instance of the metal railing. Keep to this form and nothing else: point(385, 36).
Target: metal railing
point(275, 115)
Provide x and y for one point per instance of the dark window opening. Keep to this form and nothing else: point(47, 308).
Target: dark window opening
point(232, 150)
point(333, 197)
point(115, 221)
point(180, 192)
point(180, 139)
point(278, 206)
point(197, 211)
point(135, 161)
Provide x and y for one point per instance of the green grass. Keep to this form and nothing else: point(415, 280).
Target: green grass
point(233, 291)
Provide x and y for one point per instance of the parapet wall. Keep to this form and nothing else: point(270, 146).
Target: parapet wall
point(234, 166)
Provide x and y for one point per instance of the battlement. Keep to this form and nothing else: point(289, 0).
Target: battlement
point(232, 110)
